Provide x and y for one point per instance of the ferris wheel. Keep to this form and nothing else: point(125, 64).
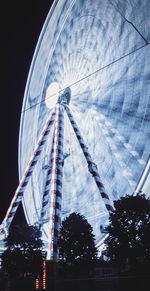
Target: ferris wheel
point(85, 126)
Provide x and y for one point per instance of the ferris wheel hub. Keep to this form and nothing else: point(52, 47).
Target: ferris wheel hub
point(52, 94)
point(65, 97)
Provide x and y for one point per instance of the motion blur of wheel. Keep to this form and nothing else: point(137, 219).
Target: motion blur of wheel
point(100, 50)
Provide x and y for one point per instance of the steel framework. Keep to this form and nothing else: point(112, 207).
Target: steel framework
point(53, 186)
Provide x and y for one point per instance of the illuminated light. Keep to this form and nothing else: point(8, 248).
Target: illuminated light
point(132, 183)
point(52, 94)
point(120, 137)
point(128, 146)
point(134, 153)
point(126, 172)
point(142, 162)
point(44, 274)
point(37, 284)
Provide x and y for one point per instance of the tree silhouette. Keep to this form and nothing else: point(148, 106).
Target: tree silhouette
point(129, 230)
point(24, 237)
point(23, 256)
point(76, 244)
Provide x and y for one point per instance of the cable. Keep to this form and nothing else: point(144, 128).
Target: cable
point(128, 21)
point(95, 72)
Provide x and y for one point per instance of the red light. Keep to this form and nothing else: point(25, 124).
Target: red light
point(44, 274)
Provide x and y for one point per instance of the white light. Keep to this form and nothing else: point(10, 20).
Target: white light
point(52, 95)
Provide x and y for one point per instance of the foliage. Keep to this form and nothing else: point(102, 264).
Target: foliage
point(23, 255)
point(129, 230)
point(18, 264)
point(76, 244)
point(24, 237)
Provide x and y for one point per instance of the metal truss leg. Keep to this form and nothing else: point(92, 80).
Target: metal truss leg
point(91, 165)
point(28, 172)
point(54, 182)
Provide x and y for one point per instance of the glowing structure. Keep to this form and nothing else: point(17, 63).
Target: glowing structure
point(100, 49)
point(52, 196)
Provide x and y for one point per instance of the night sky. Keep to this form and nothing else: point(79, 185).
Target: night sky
point(20, 29)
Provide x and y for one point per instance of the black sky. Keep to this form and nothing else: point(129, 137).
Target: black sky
point(21, 23)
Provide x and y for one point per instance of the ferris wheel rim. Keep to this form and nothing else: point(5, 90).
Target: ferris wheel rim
point(52, 11)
